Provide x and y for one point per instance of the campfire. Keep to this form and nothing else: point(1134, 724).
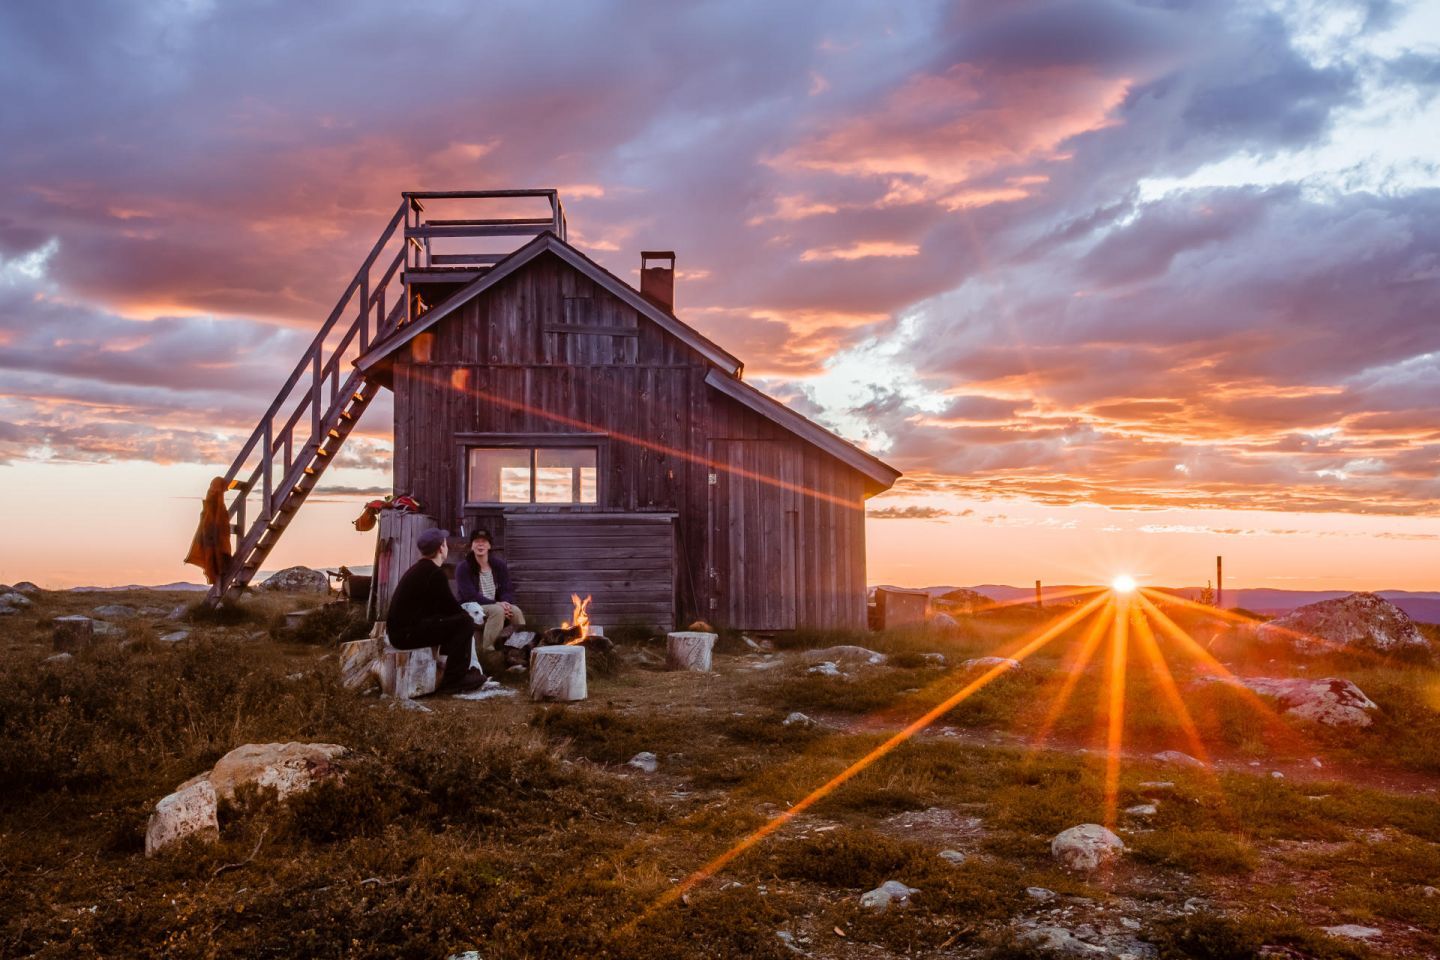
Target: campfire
point(582, 619)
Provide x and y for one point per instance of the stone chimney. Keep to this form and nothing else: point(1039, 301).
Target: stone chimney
point(657, 282)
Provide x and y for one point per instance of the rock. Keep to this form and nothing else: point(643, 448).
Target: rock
point(1057, 941)
point(1360, 620)
point(1130, 923)
point(943, 621)
point(15, 600)
point(645, 761)
point(797, 719)
point(1276, 775)
point(891, 893)
point(467, 955)
point(935, 659)
point(1179, 759)
point(1039, 893)
point(1009, 663)
point(176, 614)
point(108, 630)
point(59, 658)
point(1142, 810)
point(1331, 701)
point(115, 611)
point(825, 669)
point(189, 811)
point(27, 588)
point(1156, 786)
point(288, 767)
point(175, 636)
point(787, 939)
point(1086, 848)
point(846, 653)
point(952, 856)
point(490, 691)
point(415, 706)
point(1353, 931)
point(69, 634)
point(297, 580)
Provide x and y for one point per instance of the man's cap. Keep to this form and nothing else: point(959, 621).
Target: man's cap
point(430, 541)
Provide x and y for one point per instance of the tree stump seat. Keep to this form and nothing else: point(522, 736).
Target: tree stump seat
point(404, 674)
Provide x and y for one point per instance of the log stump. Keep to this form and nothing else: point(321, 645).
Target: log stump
point(406, 674)
point(557, 673)
point(357, 657)
point(689, 650)
point(73, 634)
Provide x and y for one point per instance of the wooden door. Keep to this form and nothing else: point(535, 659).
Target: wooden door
point(754, 532)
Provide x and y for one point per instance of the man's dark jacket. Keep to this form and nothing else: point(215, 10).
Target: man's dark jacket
point(467, 581)
point(423, 594)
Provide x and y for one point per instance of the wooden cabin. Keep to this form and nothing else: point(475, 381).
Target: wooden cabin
point(610, 448)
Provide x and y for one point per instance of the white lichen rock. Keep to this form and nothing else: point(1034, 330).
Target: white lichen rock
point(288, 767)
point(891, 893)
point(1179, 759)
point(1331, 700)
point(645, 761)
point(1361, 620)
point(846, 653)
point(1009, 663)
point(189, 811)
point(297, 580)
point(1086, 848)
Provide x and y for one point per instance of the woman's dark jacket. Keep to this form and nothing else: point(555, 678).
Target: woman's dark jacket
point(467, 581)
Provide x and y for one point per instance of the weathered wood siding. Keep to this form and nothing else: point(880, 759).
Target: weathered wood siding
point(549, 352)
point(625, 562)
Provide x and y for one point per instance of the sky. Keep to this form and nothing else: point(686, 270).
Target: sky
point(1119, 286)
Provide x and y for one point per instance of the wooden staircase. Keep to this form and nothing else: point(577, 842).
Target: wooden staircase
point(325, 395)
point(311, 416)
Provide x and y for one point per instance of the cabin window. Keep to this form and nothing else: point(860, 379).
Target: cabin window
point(531, 475)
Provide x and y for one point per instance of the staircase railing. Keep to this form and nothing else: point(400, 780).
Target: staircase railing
point(305, 412)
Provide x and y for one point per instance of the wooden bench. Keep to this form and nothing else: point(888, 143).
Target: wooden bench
point(404, 674)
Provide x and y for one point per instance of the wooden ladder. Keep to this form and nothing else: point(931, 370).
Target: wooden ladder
point(283, 460)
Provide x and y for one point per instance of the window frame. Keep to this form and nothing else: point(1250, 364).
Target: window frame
point(599, 442)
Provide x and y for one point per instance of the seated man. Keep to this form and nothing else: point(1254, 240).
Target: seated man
point(484, 581)
point(424, 613)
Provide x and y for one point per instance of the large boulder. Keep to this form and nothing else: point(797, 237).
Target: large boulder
point(297, 580)
point(115, 611)
point(189, 811)
point(1331, 701)
point(288, 767)
point(1361, 620)
point(1086, 848)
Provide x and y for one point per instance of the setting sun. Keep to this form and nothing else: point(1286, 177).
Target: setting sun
point(1123, 584)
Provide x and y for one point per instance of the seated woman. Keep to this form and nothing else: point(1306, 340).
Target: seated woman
point(485, 580)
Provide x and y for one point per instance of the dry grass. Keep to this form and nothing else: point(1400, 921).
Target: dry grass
point(517, 830)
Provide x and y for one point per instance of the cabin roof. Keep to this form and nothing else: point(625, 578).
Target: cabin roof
point(724, 377)
point(548, 242)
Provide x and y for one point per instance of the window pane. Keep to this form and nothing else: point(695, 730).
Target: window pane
point(565, 475)
point(499, 475)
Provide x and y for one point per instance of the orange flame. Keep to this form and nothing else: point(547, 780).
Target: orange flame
point(582, 618)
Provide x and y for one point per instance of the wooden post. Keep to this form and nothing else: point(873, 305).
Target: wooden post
point(396, 553)
point(557, 673)
point(1039, 603)
point(689, 650)
point(1219, 584)
point(73, 634)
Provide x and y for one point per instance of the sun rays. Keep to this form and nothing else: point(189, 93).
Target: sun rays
point(1140, 642)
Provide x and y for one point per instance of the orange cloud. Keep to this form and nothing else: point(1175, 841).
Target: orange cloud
point(862, 250)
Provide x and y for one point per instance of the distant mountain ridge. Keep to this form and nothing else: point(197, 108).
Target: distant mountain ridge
point(1421, 605)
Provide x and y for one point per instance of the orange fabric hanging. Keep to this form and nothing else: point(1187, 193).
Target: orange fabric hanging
point(210, 550)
